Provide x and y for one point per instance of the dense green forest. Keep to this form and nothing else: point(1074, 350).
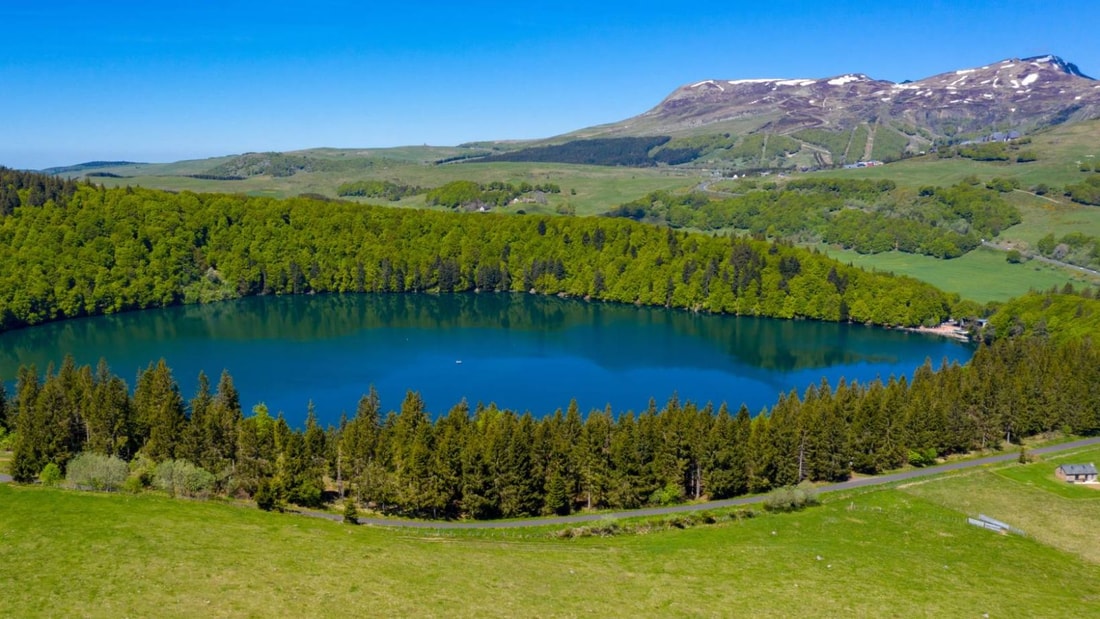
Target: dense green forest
point(497, 193)
point(868, 216)
point(1061, 316)
point(489, 463)
point(377, 189)
point(98, 250)
point(597, 151)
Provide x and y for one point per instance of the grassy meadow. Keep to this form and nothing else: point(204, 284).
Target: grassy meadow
point(982, 275)
point(896, 552)
point(589, 190)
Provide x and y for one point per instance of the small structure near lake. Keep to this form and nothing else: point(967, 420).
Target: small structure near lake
point(1077, 473)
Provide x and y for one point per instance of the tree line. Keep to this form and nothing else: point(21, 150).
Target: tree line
point(109, 250)
point(486, 462)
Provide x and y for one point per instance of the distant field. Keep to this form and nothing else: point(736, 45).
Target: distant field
point(1059, 150)
point(982, 275)
point(588, 189)
point(1053, 214)
point(895, 553)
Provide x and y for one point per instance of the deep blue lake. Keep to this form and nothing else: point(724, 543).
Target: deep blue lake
point(523, 352)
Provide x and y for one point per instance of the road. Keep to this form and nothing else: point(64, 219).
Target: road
point(695, 507)
point(1033, 256)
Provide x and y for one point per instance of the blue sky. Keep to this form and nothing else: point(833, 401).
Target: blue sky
point(158, 81)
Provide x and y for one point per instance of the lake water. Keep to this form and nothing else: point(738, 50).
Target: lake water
point(523, 352)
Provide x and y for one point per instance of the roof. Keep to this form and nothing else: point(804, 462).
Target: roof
point(1078, 469)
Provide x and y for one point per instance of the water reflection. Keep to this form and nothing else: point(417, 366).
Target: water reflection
point(527, 352)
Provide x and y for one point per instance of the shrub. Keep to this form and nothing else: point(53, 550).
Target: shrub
point(669, 495)
point(351, 513)
point(92, 471)
point(266, 497)
point(923, 458)
point(133, 485)
point(50, 475)
point(143, 468)
point(181, 478)
point(791, 498)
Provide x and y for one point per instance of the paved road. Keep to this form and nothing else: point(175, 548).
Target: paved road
point(660, 511)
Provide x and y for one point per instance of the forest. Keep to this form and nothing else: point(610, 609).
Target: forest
point(496, 193)
point(93, 251)
point(492, 463)
point(868, 216)
point(377, 189)
point(596, 151)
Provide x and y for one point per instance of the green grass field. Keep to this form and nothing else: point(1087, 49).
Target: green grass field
point(982, 275)
point(1051, 512)
point(900, 553)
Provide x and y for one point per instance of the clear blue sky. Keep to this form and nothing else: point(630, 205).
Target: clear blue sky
point(158, 81)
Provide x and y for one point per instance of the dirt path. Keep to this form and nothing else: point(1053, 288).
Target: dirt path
point(848, 147)
point(1032, 193)
point(871, 129)
point(677, 509)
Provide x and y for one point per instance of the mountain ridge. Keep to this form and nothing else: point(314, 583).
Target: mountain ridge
point(1015, 92)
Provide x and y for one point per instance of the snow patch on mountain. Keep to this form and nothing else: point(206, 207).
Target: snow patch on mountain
point(844, 79)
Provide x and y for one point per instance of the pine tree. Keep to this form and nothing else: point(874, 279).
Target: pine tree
point(4, 427)
point(160, 411)
point(193, 447)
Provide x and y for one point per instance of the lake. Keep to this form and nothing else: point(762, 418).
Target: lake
point(523, 352)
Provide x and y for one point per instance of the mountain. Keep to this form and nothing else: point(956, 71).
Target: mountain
point(852, 117)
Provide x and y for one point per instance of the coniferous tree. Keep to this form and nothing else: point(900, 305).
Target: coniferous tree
point(4, 409)
point(193, 446)
point(109, 420)
point(160, 411)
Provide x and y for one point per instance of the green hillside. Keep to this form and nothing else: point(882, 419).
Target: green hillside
point(899, 552)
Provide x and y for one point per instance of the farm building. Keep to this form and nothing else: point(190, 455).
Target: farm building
point(1077, 473)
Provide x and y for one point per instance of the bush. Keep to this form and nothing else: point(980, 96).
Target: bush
point(791, 498)
point(143, 468)
point(1014, 256)
point(50, 475)
point(351, 513)
point(133, 485)
point(923, 458)
point(92, 471)
point(669, 495)
point(266, 497)
point(181, 478)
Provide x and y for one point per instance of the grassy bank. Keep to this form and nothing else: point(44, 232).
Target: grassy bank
point(904, 552)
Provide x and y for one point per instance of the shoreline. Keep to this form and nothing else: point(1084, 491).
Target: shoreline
point(946, 329)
